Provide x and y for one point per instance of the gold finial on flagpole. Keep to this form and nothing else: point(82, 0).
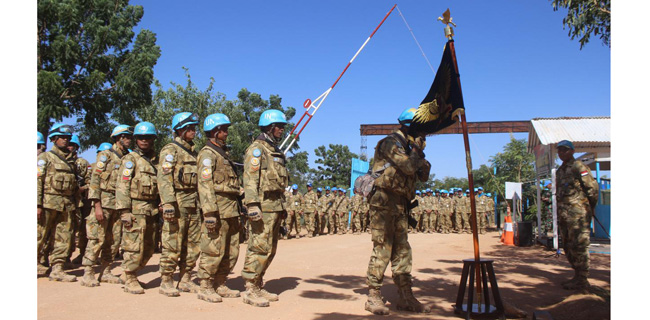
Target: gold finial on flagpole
point(447, 20)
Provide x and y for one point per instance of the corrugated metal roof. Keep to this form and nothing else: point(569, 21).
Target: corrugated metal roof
point(587, 132)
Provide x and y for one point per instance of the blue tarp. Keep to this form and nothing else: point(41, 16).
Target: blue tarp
point(603, 213)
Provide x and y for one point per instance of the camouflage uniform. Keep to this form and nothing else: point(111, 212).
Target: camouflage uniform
point(310, 200)
point(365, 214)
point(480, 212)
point(219, 190)
point(466, 212)
point(84, 175)
point(357, 200)
point(294, 210)
point(137, 199)
point(490, 211)
point(332, 221)
point(343, 213)
point(56, 180)
point(416, 213)
point(265, 179)
point(177, 184)
point(444, 219)
point(577, 195)
point(326, 202)
point(104, 238)
point(395, 188)
point(457, 213)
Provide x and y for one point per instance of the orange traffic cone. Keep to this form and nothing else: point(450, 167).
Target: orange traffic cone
point(508, 235)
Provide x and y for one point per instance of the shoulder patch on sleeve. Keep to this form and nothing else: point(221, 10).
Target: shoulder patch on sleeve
point(129, 165)
point(169, 157)
point(207, 162)
point(257, 152)
point(584, 173)
point(41, 163)
point(206, 173)
point(103, 158)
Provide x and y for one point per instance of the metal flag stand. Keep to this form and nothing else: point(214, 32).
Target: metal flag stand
point(478, 270)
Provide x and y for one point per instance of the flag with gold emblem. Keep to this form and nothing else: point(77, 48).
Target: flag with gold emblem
point(444, 101)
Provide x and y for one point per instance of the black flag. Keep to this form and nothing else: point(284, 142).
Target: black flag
point(444, 102)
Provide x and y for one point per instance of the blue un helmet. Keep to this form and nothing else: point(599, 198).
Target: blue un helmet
point(443, 191)
point(294, 187)
point(272, 116)
point(104, 146)
point(488, 194)
point(309, 184)
point(40, 139)
point(122, 129)
point(145, 129)
point(214, 120)
point(75, 140)
point(327, 187)
point(60, 129)
point(183, 119)
point(319, 189)
point(334, 188)
point(418, 192)
point(406, 117)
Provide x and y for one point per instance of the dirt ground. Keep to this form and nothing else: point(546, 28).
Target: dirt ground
point(324, 278)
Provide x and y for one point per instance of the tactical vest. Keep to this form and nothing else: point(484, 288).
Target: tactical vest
point(224, 176)
point(274, 176)
point(392, 179)
point(184, 174)
point(144, 184)
point(108, 170)
point(60, 178)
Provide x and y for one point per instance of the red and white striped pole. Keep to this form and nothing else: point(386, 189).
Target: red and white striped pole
point(309, 105)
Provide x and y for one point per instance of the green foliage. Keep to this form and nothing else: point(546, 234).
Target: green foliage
point(88, 66)
point(299, 173)
point(514, 164)
point(427, 184)
point(334, 165)
point(450, 182)
point(243, 112)
point(586, 17)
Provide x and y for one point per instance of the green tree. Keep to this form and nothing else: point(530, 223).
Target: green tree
point(586, 17)
point(298, 167)
point(88, 66)
point(334, 165)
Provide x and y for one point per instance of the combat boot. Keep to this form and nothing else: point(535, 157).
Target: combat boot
point(88, 279)
point(206, 292)
point(375, 303)
point(167, 286)
point(272, 297)
point(223, 290)
point(253, 297)
point(186, 284)
point(105, 274)
point(406, 299)
point(581, 282)
point(57, 274)
point(132, 285)
point(41, 270)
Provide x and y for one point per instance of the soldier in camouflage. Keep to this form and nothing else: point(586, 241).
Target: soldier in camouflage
point(357, 201)
point(393, 191)
point(41, 146)
point(416, 212)
point(104, 228)
point(56, 187)
point(310, 208)
point(295, 211)
point(326, 202)
point(265, 179)
point(333, 221)
point(219, 191)
point(466, 212)
point(138, 201)
point(577, 196)
point(480, 210)
point(365, 215)
point(83, 178)
point(445, 209)
point(457, 210)
point(343, 211)
point(177, 186)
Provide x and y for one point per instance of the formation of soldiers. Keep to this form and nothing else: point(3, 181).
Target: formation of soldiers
point(194, 204)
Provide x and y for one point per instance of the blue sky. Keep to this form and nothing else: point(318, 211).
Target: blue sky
point(515, 60)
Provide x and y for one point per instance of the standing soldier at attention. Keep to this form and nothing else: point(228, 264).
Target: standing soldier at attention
point(343, 210)
point(467, 211)
point(480, 210)
point(177, 185)
point(104, 228)
point(56, 187)
point(83, 178)
point(416, 211)
point(357, 200)
point(310, 207)
point(219, 192)
point(295, 209)
point(326, 201)
point(365, 215)
point(457, 209)
point(577, 196)
point(318, 214)
point(402, 158)
point(490, 210)
point(428, 220)
point(265, 179)
point(445, 209)
point(137, 199)
point(333, 221)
